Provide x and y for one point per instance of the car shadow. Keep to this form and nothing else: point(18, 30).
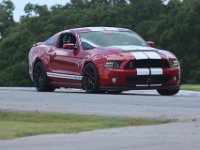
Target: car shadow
point(120, 94)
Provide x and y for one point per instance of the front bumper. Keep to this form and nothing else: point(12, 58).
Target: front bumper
point(125, 79)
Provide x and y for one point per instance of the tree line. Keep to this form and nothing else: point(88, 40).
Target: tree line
point(174, 26)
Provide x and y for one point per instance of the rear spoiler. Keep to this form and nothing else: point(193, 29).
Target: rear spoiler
point(38, 43)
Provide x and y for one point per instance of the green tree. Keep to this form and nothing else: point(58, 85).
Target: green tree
point(6, 17)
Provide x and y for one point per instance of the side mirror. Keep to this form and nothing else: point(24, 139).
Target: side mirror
point(69, 46)
point(150, 43)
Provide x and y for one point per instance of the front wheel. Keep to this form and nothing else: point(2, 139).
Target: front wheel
point(90, 81)
point(168, 92)
point(40, 79)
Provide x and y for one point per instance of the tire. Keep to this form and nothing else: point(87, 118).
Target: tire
point(90, 81)
point(167, 92)
point(40, 79)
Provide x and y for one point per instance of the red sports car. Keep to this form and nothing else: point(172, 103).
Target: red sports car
point(102, 59)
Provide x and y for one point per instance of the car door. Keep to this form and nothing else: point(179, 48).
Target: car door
point(65, 62)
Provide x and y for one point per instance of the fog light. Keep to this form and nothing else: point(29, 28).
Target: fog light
point(175, 78)
point(114, 80)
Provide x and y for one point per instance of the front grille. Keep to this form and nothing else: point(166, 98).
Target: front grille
point(147, 63)
point(146, 79)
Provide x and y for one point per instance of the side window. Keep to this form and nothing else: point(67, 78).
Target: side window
point(70, 39)
point(65, 39)
point(50, 41)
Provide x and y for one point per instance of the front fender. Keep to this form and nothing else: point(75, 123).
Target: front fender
point(98, 60)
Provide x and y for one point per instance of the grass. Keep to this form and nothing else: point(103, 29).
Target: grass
point(191, 87)
point(13, 125)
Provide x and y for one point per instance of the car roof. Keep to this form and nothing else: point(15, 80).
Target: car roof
point(90, 29)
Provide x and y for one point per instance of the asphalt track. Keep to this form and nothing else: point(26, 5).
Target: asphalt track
point(183, 110)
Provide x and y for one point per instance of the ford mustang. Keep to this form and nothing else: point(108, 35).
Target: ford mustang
point(102, 59)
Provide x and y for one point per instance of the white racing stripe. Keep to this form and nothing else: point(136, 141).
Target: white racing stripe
point(96, 28)
point(64, 76)
point(103, 28)
point(156, 71)
point(146, 55)
point(110, 28)
point(152, 85)
point(133, 48)
point(143, 71)
point(142, 85)
point(139, 55)
point(146, 71)
point(153, 55)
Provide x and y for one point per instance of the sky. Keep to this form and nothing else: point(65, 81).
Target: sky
point(19, 5)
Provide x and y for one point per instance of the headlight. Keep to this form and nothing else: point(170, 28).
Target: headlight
point(113, 64)
point(174, 63)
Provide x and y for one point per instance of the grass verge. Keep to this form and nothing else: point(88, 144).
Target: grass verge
point(13, 125)
point(191, 87)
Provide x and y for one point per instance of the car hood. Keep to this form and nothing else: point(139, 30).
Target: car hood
point(133, 52)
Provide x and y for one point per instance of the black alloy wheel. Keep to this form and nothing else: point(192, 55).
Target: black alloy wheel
point(40, 79)
point(90, 80)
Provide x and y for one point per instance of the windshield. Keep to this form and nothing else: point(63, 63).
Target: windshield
point(92, 40)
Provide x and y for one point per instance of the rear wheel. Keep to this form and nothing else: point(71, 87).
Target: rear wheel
point(90, 80)
point(40, 79)
point(168, 92)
